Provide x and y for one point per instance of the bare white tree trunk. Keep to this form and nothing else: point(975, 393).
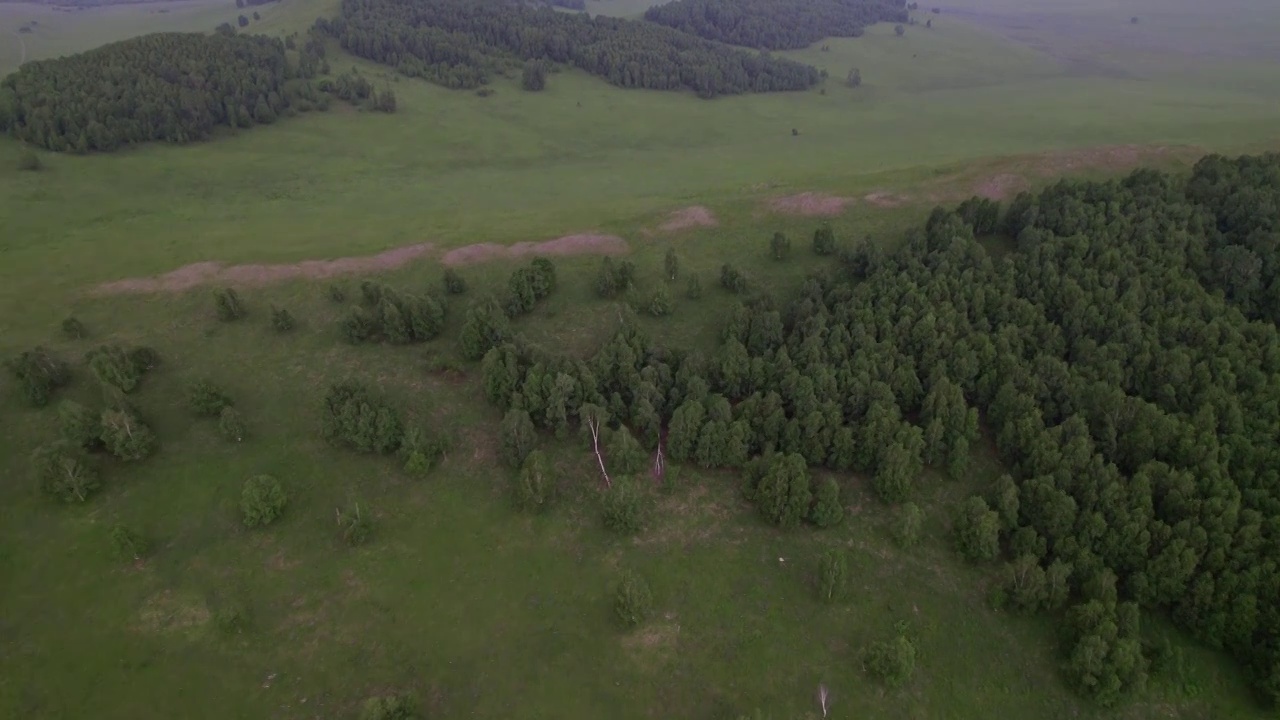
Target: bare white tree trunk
point(822, 698)
point(594, 425)
point(659, 463)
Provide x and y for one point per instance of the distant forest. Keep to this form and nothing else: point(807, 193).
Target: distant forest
point(175, 87)
point(776, 24)
point(464, 43)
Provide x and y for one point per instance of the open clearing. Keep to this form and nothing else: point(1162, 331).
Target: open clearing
point(477, 611)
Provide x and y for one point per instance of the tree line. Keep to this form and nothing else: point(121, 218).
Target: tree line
point(174, 87)
point(462, 44)
point(1131, 388)
point(774, 24)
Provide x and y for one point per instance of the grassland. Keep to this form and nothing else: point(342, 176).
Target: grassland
point(477, 610)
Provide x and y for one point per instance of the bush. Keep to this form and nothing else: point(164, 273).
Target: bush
point(79, 426)
point(394, 317)
point(659, 304)
point(64, 472)
point(40, 374)
point(73, 329)
point(125, 435)
point(977, 530)
point(833, 575)
point(824, 241)
point(907, 524)
point(534, 487)
point(231, 425)
point(454, 284)
point(623, 508)
point(336, 293)
point(517, 437)
point(281, 320)
point(206, 399)
point(827, 510)
point(114, 367)
point(354, 418)
point(29, 161)
point(891, 662)
point(485, 327)
point(632, 600)
point(262, 501)
point(782, 493)
point(732, 279)
point(388, 707)
point(693, 290)
point(614, 279)
point(626, 457)
point(127, 545)
point(356, 526)
point(144, 359)
point(227, 304)
point(420, 453)
point(779, 246)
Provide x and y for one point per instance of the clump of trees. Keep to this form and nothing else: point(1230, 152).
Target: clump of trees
point(528, 285)
point(121, 369)
point(227, 305)
point(39, 373)
point(614, 279)
point(892, 662)
point(262, 501)
point(357, 419)
point(388, 315)
point(773, 24)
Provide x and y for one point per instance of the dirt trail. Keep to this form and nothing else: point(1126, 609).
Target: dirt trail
point(584, 244)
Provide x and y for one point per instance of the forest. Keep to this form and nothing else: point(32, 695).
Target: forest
point(775, 25)
point(1124, 359)
point(173, 87)
point(461, 44)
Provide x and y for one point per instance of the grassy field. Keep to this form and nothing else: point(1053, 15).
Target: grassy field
point(476, 610)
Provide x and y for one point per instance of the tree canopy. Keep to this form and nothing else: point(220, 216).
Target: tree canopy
point(774, 24)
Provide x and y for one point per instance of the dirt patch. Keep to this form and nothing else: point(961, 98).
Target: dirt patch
point(810, 204)
point(207, 273)
point(167, 612)
point(883, 199)
point(653, 645)
point(690, 217)
point(1001, 187)
point(582, 244)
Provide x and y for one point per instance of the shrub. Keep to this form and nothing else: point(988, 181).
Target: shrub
point(40, 374)
point(632, 599)
point(626, 457)
point(623, 508)
point(659, 304)
point(262, 501)
point(534, 486)
point(454, 284)
point(517, 437)
point(420, 453)
point(114, 367)
point(977, 530)
point(693, 290)
point(827, 510)
point(206, 399)
point(358, 327)
point(394, 317)
point(231, 425)
point(29, 161)
point(127, 545)
point(354, 418)
point(73, 329)
point(824, 241)
point(891, 662)
point(336, 293)
point(907, 524)
point(64, 472)
point(356, 526)
point(388, 707)
point(227, 304)
point(125, 435)
point(144, 359)
point(732, 279)
point(231, 618)
point(671, 265)
point(779, 246)
point(486, 326)
point(833, 575)
point(79, 426)
point(782, 493)
point(281, 320)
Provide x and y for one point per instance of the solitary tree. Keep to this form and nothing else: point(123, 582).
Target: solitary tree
point(262, 500)
point(779, 246)
point(534, 77)
point(854, 79)
point(899, 30)
point(671, 264)
point(517, 437)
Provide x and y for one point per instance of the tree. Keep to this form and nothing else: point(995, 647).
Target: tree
point(907, 524)
point(79, 426)
point(833, 575)
point(242, 21)
point(73, 329)
point(891, 662)
point(732, 279)
point(854, 79)
point(227, 303)
point(64, 472)
point(517, 437)
point(454, 284)
point(40, 374)
point(420, 453)
point(262, 501)
point(206, 399)
point(256, 16)
point(231, 425)
point(827, 510)
point(899, 30)
point(534, 77)
point(824, 241)
point(623, 508)
point(485, 326)
point(783, 494)
point(388, 707)
point(897, 472)
point(126, 544)
point(535, 486)
point(693, 289)
point(281, 320)
point(671, 265)
point(626, 457)
point(977, 530)
point(632, 599)
point(659, 304)
point(125, 435)
point(779, 246)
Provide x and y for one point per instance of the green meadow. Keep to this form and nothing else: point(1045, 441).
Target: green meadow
point(474, 609)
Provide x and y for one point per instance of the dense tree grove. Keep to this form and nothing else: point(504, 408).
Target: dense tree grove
point(773, 24)
point(1127, 371)
point(175, 87)
point(464, 43)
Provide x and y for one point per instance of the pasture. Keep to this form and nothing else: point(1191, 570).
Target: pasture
point(472, 608)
